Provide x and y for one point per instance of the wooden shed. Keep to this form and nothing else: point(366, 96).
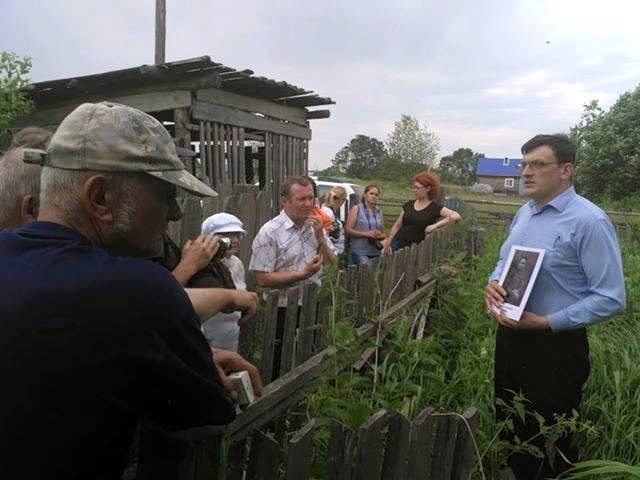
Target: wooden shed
point(249, 132)
point(246, 129)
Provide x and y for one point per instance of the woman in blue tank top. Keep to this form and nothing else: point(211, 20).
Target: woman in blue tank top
point(365, 227)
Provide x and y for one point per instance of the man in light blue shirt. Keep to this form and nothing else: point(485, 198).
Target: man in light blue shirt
point(545, 354)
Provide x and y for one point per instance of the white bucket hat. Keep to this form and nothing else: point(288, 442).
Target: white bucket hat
point(222, 223)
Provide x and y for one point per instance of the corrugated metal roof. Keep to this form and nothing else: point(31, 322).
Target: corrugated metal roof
point(496, 167)
point(199, 68)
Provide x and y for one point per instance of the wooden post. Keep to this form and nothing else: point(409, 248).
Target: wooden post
point(161, 30)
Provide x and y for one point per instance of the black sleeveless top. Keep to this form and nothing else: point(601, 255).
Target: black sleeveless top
point(415, 221)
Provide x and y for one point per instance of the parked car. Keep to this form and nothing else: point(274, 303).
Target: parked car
point(353, 194)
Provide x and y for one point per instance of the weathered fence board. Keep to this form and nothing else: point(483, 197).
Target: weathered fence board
point(339, 453)
point(421, 445)
point(395, 463)
point(269, 337)
point(412, 271)
point(323, 316)
point(263, 458)
point(446, 427)
point(370, 447)
point(247, 212)
point(308, 321)
point(465, 449)
point(235, 460)
point(235, 160)
point(210, 167)
point(203, 149)
point(263, 209)
point(289, 333)
point(191, 219)
point(299, 453)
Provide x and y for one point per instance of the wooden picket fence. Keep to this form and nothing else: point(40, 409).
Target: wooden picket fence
point(494, 213)
point(292, 355)
point(383, 287)
point(386, 446)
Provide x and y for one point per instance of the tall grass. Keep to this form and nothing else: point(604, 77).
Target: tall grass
point(612, 395)
point(611, 400)
point(452, 368)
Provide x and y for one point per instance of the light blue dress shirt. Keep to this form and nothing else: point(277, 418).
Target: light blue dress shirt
point(580, 280)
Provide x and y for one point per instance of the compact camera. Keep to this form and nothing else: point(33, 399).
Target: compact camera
point(225, 245)
point(376, 243)
point(244, 393)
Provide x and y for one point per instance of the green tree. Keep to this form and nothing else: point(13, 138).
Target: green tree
point(360, 157)
point(391, 168)
point(331, 171)
point(14, 84)
point(608, 148)
point(459, 167)
point(412, 144)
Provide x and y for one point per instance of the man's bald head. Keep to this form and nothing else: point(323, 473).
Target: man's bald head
point(19, 190)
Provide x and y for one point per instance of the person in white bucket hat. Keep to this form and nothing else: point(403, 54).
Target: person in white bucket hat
point(222, 329)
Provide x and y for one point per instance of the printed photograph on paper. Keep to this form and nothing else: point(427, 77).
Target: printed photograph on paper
point(518, 278)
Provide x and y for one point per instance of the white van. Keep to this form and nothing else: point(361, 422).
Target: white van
point(353, 190)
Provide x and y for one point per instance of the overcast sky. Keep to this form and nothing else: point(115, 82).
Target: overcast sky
point(482, 74)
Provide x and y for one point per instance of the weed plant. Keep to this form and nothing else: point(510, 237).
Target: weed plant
point(611, 399)
point(452, 369)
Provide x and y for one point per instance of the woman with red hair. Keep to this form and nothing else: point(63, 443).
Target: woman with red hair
point(420, 216)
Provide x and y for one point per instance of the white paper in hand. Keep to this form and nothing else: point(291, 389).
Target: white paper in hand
point(518, 277)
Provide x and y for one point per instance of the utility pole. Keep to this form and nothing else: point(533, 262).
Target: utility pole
point(161, 30)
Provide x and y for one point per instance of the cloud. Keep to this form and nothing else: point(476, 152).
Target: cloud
point(484, 75)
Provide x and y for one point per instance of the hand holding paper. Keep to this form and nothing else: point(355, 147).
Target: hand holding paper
point(518, 278)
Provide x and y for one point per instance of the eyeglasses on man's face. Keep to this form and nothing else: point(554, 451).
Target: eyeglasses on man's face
point(534, 165)
point(417, 187)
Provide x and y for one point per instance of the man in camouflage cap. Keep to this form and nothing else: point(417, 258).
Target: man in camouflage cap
point(91, 339)
point(123, 144)
point(110, 137)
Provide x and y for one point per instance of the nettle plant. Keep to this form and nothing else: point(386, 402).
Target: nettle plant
point(451, 368)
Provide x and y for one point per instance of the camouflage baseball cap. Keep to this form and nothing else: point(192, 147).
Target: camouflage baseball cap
point(109, 137)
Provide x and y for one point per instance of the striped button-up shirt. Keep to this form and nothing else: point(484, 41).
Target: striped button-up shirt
point(280, 246)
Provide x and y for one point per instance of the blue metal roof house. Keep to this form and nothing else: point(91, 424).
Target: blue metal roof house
point(501, 173)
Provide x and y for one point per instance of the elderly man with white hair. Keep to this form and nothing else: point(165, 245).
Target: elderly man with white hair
point(20, 182)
